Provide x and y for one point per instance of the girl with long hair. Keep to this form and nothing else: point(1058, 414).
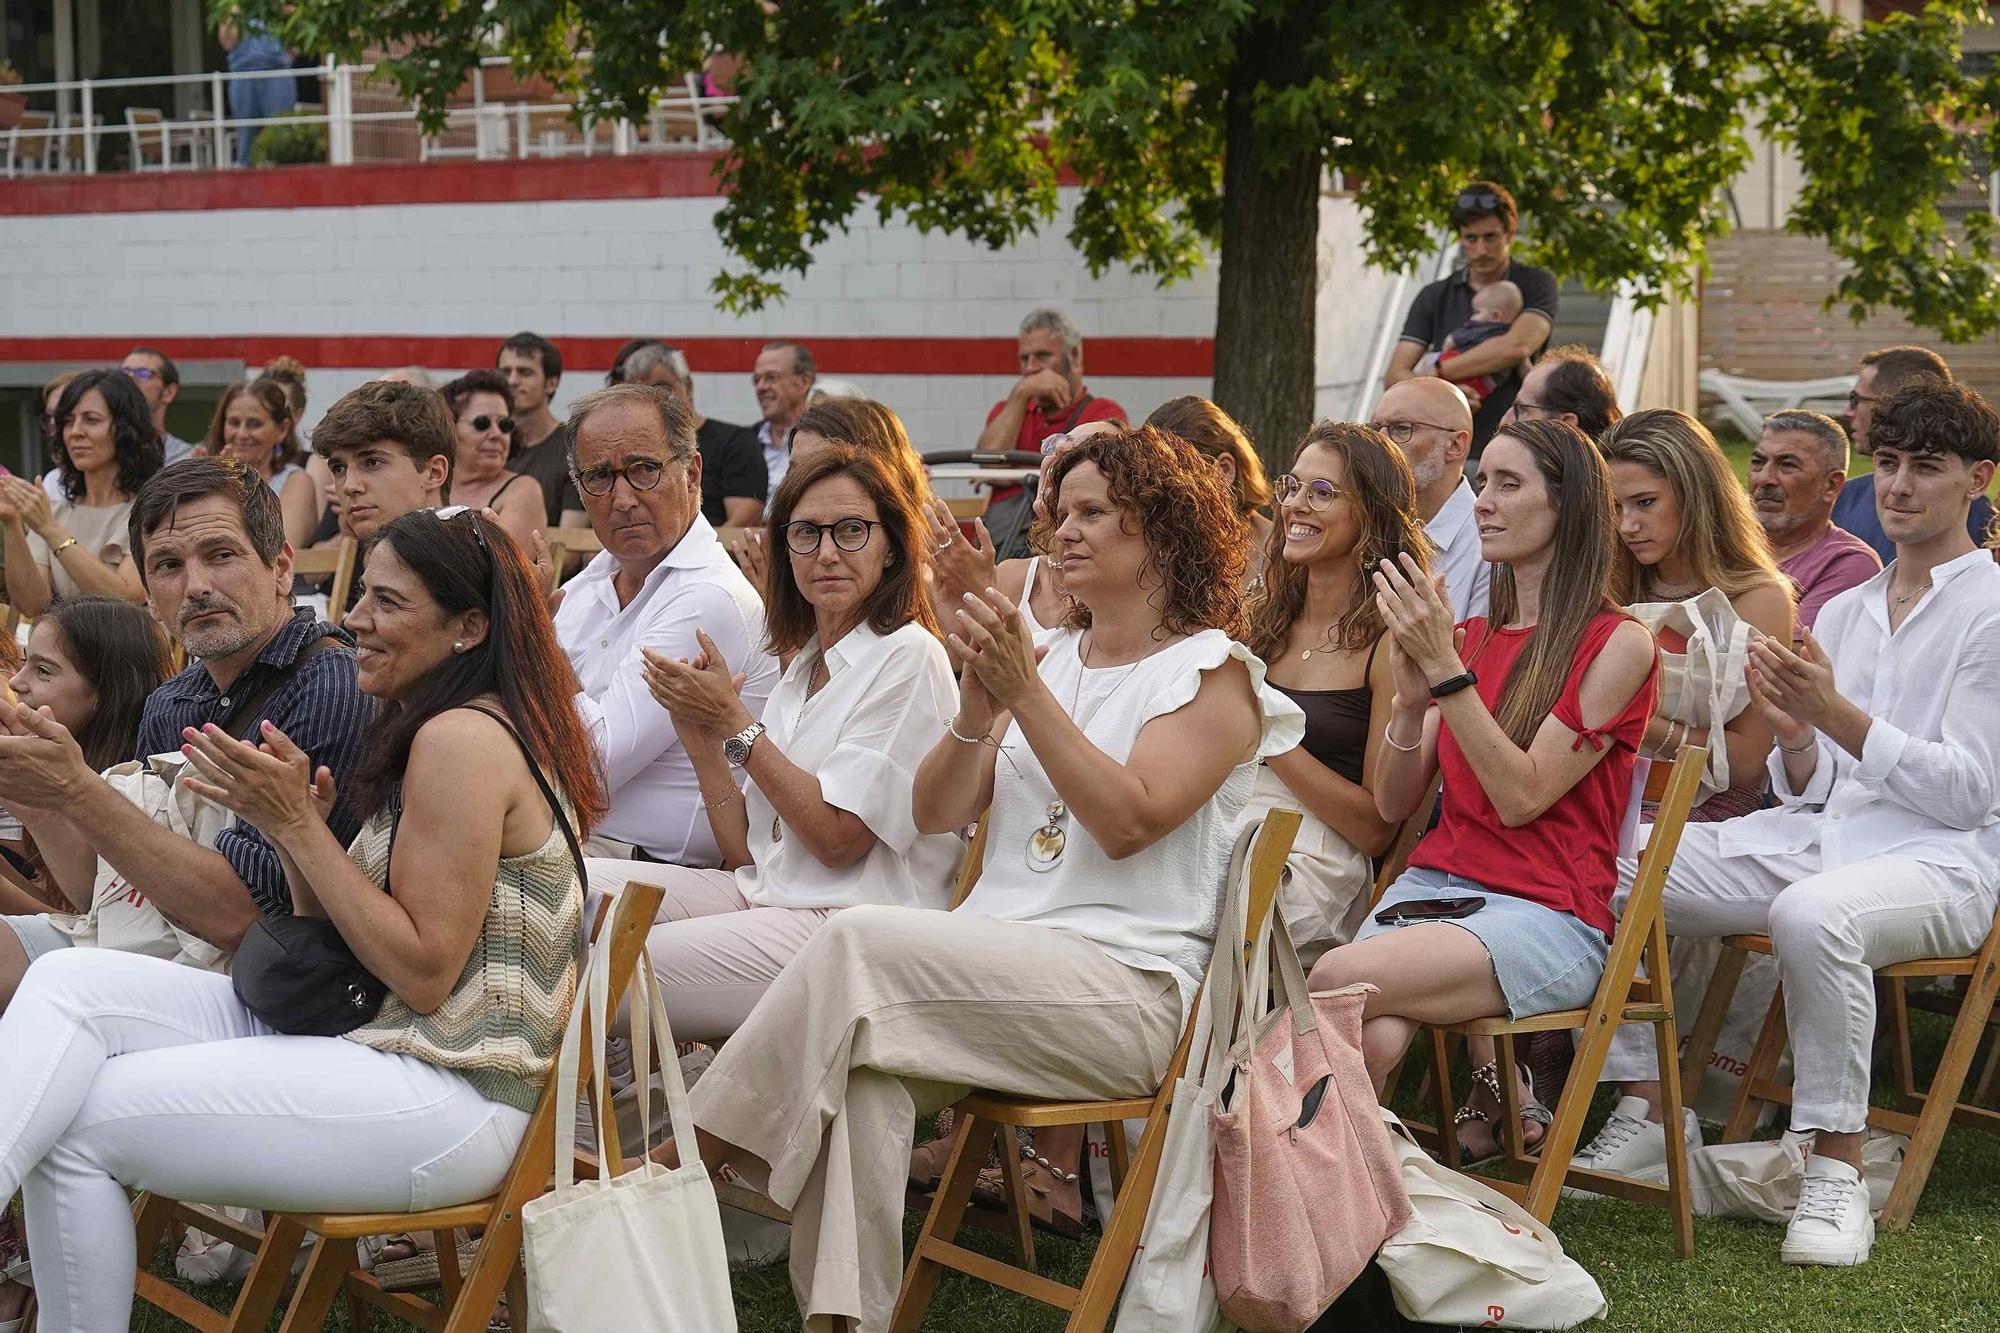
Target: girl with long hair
point(1348, 504)
point(77, 544)
point(1533, 716)
point(460, 894)
point(1112, 768)
point(255, 423)
point(1217, 437)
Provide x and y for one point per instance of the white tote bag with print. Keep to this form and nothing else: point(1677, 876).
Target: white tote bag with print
point(1704, 685)
point(637, 1251)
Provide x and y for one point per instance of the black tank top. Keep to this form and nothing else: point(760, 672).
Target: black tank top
point(1337, 723)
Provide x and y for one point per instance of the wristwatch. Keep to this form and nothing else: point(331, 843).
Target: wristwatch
point(1454, 685)
point(737, 748)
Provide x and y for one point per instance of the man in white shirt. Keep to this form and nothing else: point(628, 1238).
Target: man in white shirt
point(782, 376)
point(1886, 847)
point(1431, 422)
point(662, 574)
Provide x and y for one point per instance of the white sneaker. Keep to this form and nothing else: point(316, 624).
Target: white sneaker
point(1831, 1224)
point(1632, 1146)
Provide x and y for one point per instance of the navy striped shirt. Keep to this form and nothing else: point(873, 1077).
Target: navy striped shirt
point(320, 708)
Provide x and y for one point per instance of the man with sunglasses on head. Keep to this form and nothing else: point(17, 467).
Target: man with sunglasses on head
point(661, 576)
point(1484, 215)
point(1431, 422)
point(1883, 371)
point(159, 381)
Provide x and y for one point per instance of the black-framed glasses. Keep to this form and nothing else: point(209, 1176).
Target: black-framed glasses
point(1402, 431)
point(1523, 405)
point(1319, 492)
point(482, 424)
point(849, 534)
point(1855, 400)
point(641, 474)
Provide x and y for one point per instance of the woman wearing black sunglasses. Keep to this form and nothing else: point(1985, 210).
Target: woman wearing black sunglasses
point(824, 821)
point(483, 407)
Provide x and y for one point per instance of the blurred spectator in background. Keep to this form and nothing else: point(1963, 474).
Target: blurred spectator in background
point(1797, 469)
point(159, 381)
point(1883, 371)
point(783, 379)
point(52, 445)
point(733, 483)
point(533, 368)
point(249, 46)
point(1430, 421)
point(255, 424)
point(1570, 384)
point(481, 475)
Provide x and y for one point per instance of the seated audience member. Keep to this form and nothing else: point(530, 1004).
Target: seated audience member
point(823, 821)
point(254, 424)
point(732, 465)
point(1216, 437)
point(1886, 844)
point(1883, 371)
point(1534, 720)
point(1495, 307)
point(52, 446)
point(1050, 398)
point(1484, 215)
point(782, 377)
point(389, 447)
point(1797, 468)
point(661, 576)
point(532, 368)
point(1686, 527)
point(1568, 384)
point(209, 540)
point(1429, 420)
point(1125, 759)
point(1347, 505)
point(860, 423)
point(460, 893)
point(159, 381)
point(480, 477)
point(289, 372)
point(78, 544)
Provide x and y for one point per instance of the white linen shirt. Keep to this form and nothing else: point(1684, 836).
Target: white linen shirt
point(655, 801)
point(1455, 534)
point(777, 459)
point(1927, 784)
point(883, 707)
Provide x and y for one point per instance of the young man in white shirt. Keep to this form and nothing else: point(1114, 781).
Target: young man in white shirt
point(1886, 847)
point(662, 575)
point(1431, 422)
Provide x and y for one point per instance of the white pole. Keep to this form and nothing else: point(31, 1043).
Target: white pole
point(340, 143)
point(220, 102)
point(89, 134)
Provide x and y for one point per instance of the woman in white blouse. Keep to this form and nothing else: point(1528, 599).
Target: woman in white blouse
point(1113, 755)
point(824, 820)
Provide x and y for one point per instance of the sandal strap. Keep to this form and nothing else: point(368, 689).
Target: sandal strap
point(1066, 1177)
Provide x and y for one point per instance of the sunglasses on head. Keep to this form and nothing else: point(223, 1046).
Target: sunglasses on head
point(482, 424)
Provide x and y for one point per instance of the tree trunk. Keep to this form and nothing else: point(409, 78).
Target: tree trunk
point(1264, 315)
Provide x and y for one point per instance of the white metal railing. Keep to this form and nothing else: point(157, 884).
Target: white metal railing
point(66, 137)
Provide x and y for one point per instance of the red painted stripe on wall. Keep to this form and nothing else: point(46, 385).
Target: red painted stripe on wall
point(1150, 358)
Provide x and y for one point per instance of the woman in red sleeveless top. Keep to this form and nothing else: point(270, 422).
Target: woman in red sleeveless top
point(1533, 717)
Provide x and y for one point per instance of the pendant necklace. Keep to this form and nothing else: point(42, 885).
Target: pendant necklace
point(1045, 844)
point(812, 692)
point(1322, 645)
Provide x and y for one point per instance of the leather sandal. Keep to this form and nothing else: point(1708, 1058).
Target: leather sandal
point(1487, 1078)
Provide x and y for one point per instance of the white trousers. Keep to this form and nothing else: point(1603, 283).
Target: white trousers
point(1829, 929)
point(123, 1071)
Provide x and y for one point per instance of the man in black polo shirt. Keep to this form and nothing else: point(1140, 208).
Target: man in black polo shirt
point(1484, 215)
point(210, 543)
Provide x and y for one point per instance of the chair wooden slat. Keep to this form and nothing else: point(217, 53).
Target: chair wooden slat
point(337, 560)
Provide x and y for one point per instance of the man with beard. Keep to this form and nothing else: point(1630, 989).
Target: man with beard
point(210, 544)
point(1430, 420)
point(1796, 473)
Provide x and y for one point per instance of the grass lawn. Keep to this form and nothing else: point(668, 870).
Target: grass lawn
point(1942, 1274)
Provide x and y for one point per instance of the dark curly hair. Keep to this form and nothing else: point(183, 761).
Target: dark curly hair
point(1384, 493)
point(1933, 416)
point(137, 442)
point(1197, 540)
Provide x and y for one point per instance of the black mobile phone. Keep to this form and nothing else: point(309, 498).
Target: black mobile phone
point(1430, 909)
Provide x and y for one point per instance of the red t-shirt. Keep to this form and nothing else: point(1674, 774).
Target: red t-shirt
point(1566, 858)
point(1040, 421)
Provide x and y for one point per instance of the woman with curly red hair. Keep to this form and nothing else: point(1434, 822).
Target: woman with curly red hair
point(1113, 766)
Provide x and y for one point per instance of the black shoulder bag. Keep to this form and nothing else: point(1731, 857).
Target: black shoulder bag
point(298, 975)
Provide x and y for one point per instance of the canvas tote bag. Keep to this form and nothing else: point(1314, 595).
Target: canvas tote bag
point(642, 1250)
point(1703, 685)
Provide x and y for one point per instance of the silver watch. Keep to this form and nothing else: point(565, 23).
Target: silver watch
point(737, 748)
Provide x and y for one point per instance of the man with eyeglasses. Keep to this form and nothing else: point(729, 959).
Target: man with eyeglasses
point(1568, 384)
point(159, 381)
point(1883, 371)
point(782, 377)
point(1430, 421)
point(1484, 215)
point(661, 576)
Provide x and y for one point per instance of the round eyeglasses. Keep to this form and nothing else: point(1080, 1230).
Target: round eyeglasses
point(641, 474)
point(1402, 431)
point(1319, 492)
point(850, 534)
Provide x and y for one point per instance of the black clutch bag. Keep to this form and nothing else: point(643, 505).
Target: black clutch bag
point(298, 975)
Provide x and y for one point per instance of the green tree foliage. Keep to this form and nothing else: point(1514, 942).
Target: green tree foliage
point(1619, 125)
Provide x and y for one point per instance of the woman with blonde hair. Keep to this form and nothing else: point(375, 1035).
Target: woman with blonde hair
point(1348, 504)
point(256, 424)
point(1217, 437)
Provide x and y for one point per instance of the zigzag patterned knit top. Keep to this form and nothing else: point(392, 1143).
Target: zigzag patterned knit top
point(503, 1022)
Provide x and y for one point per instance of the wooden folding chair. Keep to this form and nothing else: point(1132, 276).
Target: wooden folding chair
point(469, 1296)
point(1922, 1115)
point(985, 1116)
point(337, 560)
point(566, 542)
point(1623, 996)
point(970, 506)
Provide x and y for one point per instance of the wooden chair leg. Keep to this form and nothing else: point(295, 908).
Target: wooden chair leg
point(1121, 1155)
point(1559, 1143)
point(1764, 1056)
point(359, 1312)
point(970, 1139)
point(151, 1215)
point(1512, 1145)
point(1116, 1248)
point(1989, 1077)
point(325, 1270)
point(1896, 1000)
point(494, 1264)
point(1722, 984)
point(1440, 1077)
point(1020, 1219)
point(450, 1279)
point(1938, 1106)
point(517, 1297)
point(269, 1274)
point(1667, 1043)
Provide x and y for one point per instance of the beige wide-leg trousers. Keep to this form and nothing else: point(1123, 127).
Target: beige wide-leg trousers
point(892, 1012)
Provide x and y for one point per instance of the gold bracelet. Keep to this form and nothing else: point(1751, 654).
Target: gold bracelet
point(717, 802)
point(58, 550)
